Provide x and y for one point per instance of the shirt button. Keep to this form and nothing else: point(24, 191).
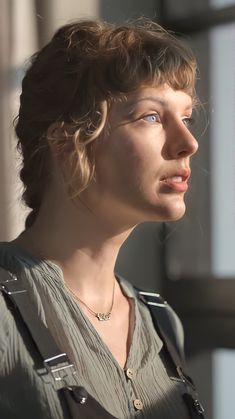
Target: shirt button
point(130, 373)
point(138, 404)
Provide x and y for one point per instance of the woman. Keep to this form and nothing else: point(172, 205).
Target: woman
point(103, 129)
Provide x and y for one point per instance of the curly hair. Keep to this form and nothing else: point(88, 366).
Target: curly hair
point(75, 79)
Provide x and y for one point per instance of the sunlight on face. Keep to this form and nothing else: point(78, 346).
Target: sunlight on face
point(143, 163)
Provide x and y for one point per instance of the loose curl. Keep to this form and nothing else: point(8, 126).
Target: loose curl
point(75, 79)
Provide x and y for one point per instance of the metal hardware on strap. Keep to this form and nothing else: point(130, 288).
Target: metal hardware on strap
point(146, 298)
point(54, 360)
point(195, 407)
point(162, 319)
point(191, 397)
point(56, 370)
point(159, 310)
point(10, 285)
point(183, 377)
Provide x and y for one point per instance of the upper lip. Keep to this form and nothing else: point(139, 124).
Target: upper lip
point(184, 173)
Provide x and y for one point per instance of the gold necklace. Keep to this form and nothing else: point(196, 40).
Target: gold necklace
point(100, 316)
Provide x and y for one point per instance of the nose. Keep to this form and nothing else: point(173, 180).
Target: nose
point(180, 142)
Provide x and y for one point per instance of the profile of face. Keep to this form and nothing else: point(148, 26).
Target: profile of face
point(143, 158)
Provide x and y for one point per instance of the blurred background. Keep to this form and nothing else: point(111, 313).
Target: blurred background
point(191, 262)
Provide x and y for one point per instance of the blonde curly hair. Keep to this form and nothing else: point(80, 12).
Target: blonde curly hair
point(75, 79)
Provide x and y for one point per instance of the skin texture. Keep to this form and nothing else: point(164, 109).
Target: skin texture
point(145, 143)
point(147, 140)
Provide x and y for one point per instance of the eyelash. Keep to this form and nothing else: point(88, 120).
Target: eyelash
point(188, 122)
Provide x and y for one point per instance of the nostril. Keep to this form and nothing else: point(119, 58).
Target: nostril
point(183, 153)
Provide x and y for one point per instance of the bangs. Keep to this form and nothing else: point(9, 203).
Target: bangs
point(146, 58)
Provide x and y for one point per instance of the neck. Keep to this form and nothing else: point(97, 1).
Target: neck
point(84, 245)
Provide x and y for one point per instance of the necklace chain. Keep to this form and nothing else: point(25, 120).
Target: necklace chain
point(100, 316)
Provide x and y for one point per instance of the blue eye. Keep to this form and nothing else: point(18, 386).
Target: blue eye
point(188, 122)
point(152, 118)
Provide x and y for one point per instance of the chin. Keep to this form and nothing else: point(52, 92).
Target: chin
point(175, 217)
point(169, 212)
point(174, 214)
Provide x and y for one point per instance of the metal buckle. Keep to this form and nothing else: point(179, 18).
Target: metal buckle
point(11, 286)
point(144, 294)
point(198, 406)
point(56, 370)
point(185, 378)
point(191, 397)
point(56, 365)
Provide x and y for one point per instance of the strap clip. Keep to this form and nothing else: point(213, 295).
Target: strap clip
point(11, 285)
point(152, 299)
point(51, 365)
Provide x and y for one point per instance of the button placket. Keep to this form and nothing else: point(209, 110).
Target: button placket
point(137, 403)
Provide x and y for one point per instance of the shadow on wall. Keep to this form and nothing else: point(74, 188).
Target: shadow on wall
point(139, 260)
point(207, 310)
point(122, 9)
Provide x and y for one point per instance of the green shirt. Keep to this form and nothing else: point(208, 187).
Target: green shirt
point(25, 393)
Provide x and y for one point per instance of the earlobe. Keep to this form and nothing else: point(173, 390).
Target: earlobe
point(60, 138)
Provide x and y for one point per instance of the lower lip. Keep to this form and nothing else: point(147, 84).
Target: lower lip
point(176, 186)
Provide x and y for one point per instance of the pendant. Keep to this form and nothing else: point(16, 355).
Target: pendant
point(103, 317)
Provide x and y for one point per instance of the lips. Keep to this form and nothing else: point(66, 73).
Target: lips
point(177, 181)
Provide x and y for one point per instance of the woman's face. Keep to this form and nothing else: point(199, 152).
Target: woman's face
point(143, 161)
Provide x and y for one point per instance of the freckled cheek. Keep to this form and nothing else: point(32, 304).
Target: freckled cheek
point(132, 156)
point(135, 155)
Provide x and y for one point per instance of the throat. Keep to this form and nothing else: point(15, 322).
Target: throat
point(116, 334)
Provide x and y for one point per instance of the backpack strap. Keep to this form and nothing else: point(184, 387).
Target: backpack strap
point(167, 324)
point(57, 362)
point(165, 319)
point(54, 360)
point(75, 400)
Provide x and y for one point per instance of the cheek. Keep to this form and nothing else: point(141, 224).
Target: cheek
point(137, 153)
point(143, 160)
point(130, 156)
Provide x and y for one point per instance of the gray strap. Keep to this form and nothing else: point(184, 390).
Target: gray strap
point(161, 317)
point(53, 358)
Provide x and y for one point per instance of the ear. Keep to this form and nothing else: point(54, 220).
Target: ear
point(60, 138)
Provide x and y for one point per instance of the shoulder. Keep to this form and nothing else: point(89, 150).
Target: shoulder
point(10, 263)
point(163, 315)
point(7, 325)
point(7, 322)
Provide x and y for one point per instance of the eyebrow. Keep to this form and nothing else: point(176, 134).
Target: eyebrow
point(155, 99)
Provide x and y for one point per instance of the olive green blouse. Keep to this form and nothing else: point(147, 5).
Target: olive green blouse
point(141, 390)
